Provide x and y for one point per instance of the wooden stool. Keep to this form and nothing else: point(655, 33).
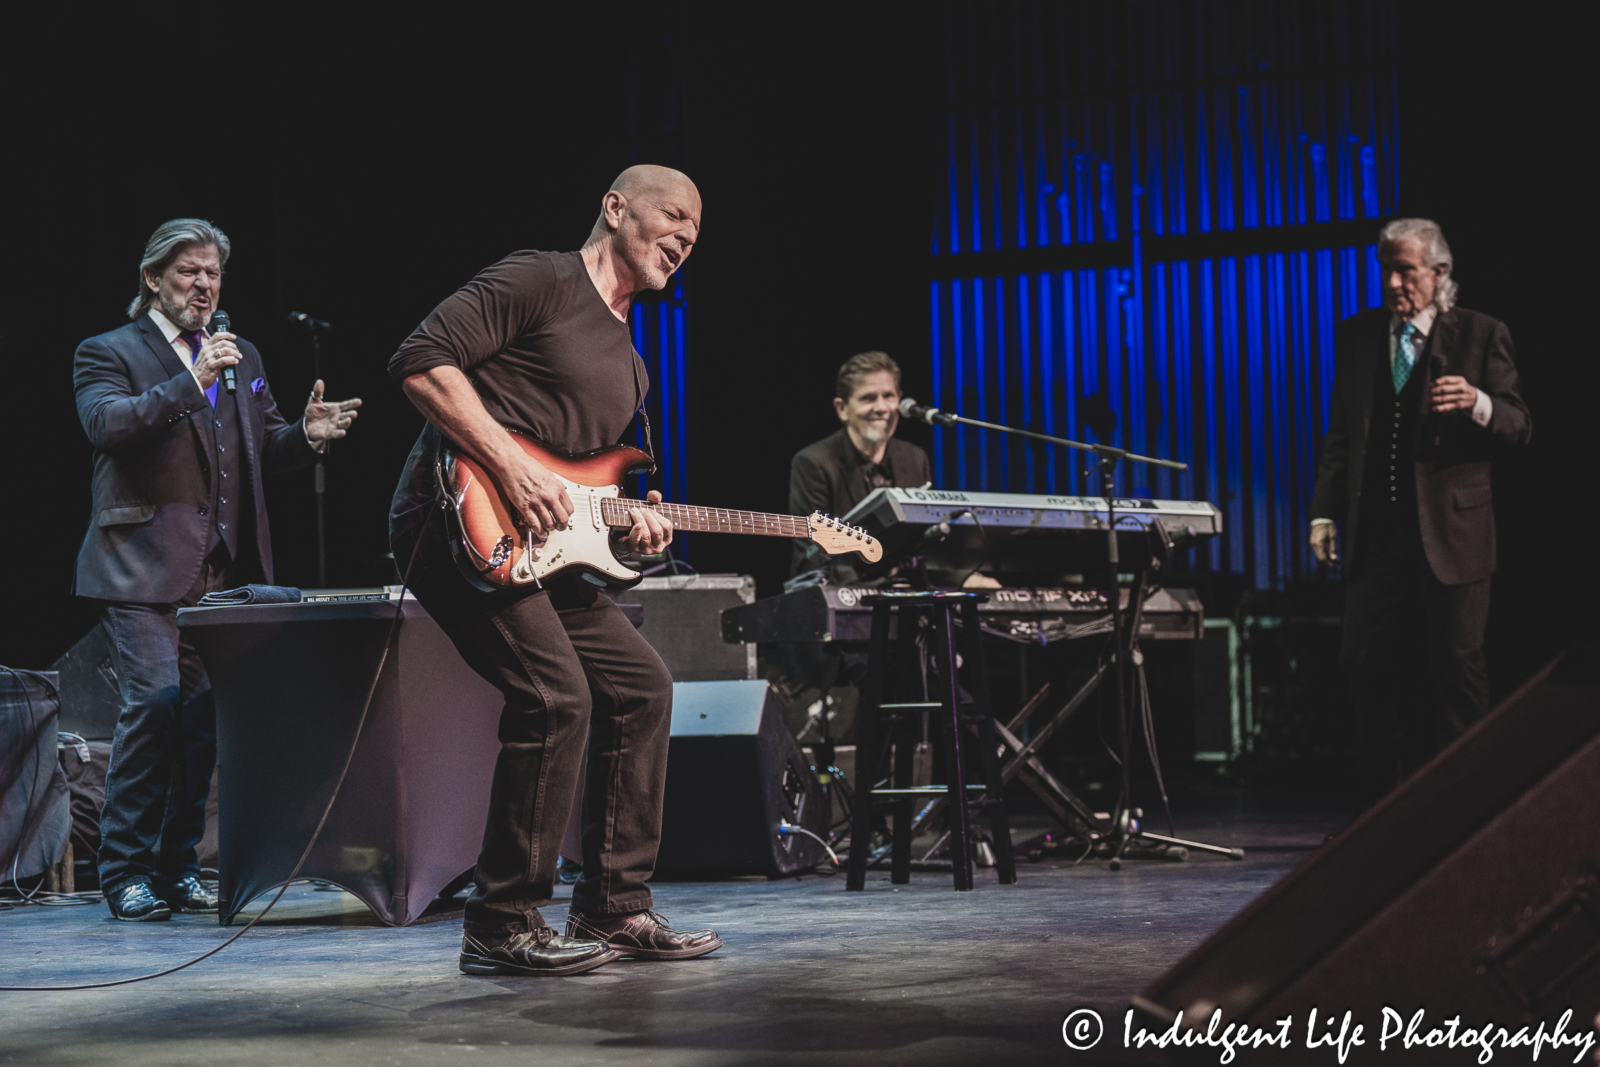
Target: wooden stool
point(881, 718)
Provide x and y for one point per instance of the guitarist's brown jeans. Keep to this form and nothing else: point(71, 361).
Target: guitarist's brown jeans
point(572, 669)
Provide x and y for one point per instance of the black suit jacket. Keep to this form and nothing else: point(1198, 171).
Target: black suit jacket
point(1454, 497)
point(830, 476)
point(147, 534)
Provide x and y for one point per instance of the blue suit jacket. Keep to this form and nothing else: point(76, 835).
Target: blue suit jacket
point(150, 522)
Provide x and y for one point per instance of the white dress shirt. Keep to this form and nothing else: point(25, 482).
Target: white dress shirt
point(174, 335)
point(1482, 408)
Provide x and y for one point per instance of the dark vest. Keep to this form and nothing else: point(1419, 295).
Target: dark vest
point(223, 442)
point(1389, 484)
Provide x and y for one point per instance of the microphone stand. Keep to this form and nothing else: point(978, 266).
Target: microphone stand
point(1125, 818)
point(319, 476)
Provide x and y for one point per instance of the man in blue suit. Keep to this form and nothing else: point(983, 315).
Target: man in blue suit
point(178, 512)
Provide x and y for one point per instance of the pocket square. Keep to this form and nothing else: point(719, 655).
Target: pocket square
point(257, 385)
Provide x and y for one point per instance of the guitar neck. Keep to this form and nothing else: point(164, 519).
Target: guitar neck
point(614, 513)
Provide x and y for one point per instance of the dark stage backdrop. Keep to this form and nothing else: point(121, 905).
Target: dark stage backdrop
point(364, 172)
point(1149, 220)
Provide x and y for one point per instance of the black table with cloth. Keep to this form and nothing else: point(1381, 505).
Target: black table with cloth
point(290, 680)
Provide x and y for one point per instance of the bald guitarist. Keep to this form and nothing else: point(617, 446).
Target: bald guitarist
point(539, 343)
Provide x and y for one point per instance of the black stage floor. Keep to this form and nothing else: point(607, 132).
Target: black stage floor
point(810, 974)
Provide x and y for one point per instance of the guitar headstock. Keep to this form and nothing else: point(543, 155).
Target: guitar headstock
point(834, 537)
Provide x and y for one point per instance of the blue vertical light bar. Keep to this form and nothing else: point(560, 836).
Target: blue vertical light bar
point(1071, 372)
point(958, 391)
point(953, 172)
point(666, 454)
point(1042, 188)
point(997, 189)
point(1307, 421)
point(1232, 415)
point(1022, 184)
point(1161, 358)
point(1108, 202)
point(1272, 168)
point(1319, 182)
point(1260, 447)
point(1369, 182)
point(1183, 394)
point(1349, 283)
point(1025, 368)
point(1001, 405)
point(1374, 278)
point(1325, 321)
point(680, 397)
point(1225, 194)
point(1047, 379)
point(1202, 170)
point(1249, 193)
point(975, 243)
point(1215, 489)
point(936, 359)
point(1281, 410)
point(641, 482)
point(1112, 290)
point(1342, 165)
point(980, 376)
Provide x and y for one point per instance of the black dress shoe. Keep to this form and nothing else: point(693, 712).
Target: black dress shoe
point(190, 896)
point(644, 936)
point(540, 952)
point(135, 903)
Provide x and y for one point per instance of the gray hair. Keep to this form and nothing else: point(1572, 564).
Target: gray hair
point(1435, 248)
point(858, 367)
point(171, 238)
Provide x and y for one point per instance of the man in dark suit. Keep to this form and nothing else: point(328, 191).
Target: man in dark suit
point(1424, 394)
point(178, 511)
point(836, 473)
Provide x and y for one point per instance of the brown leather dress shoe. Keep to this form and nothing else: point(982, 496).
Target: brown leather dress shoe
point(643, 935)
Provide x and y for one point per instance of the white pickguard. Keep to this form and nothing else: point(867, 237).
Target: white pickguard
point(585, 539)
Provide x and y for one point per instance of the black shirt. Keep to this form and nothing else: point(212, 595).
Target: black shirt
point(544, 352)
point(832, 476)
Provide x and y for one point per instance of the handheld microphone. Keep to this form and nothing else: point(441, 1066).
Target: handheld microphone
point(910, 409)
point(219, 324)
point(1437, 370)
point(300, 318)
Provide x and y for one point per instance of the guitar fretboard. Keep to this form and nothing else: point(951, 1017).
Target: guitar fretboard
point(614, 513)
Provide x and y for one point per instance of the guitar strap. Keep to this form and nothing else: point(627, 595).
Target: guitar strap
point(640, 413)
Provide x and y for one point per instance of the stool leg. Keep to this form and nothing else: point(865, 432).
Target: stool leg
point(950, 713)
point(978, 679)
point(904, 749)
point(867, 748)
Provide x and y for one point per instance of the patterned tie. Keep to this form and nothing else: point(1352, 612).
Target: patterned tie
point(192, 337)
point(1405, 356)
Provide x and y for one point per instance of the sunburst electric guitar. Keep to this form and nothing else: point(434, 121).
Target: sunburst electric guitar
point(496, 550)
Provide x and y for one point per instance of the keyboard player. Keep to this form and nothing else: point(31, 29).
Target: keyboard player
point(836, 473)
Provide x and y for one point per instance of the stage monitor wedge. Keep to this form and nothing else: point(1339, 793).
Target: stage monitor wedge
point(1471, 890)
point(733, 773)
point(91, 695)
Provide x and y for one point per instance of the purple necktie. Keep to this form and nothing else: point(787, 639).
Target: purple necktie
point(193, 338)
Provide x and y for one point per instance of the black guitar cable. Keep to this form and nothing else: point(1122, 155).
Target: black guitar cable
point(366, 706)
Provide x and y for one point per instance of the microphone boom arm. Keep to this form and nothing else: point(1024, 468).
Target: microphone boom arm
point(932, 416)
